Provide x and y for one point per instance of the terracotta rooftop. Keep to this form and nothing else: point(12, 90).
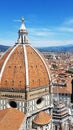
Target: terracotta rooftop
point(42, 118)
point(11, 119)
point(4, 56)
point(65, 90)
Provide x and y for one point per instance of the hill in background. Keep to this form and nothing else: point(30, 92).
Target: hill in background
point(65, 48)
point(3, 48)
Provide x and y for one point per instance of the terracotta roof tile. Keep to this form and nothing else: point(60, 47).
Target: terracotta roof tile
point(66, 90)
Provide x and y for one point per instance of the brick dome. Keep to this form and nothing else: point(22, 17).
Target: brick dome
point(22, 66)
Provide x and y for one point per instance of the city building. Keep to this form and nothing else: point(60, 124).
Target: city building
point(63, 87)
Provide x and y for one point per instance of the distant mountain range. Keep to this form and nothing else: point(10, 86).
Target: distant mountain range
point(65, 48)
point(3, 48)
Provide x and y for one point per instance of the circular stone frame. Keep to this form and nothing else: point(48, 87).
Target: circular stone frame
point(40, 102)
point(13, 104)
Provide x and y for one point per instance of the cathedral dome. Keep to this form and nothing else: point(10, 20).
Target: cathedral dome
point(22, 67)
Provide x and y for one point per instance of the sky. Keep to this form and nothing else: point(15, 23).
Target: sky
point(49, 22)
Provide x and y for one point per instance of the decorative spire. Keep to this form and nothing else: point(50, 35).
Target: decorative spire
point(22, 33)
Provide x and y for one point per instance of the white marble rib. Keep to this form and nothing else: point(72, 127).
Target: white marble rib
point(3, 67)
point(26, 66)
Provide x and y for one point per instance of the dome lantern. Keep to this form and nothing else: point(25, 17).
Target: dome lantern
point(22, 38)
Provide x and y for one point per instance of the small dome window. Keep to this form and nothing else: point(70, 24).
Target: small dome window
point(5, 82)
point(39, 81)
point(20, 67)
point(31, 66)
point(33, 81)
point(9, 66)
point(21, 53)
point(12, 82)
point(20, 82)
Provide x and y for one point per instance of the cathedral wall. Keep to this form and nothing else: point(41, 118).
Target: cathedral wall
point(31, 125)
point(36, 105)
point(8, 103)
point(12, 99)
point(3, 104)
point(39, 104)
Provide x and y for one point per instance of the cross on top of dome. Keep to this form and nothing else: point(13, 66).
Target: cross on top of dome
point(22, 19)
point(22, 25)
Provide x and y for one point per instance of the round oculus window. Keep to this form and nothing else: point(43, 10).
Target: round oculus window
point(13, 104)
point(40, 103)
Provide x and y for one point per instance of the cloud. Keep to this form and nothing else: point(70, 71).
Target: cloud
point(16, 20)
point(40, 32)
point(65, 29)
point(47, 42)
point(54, 36)
point(69, 21)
